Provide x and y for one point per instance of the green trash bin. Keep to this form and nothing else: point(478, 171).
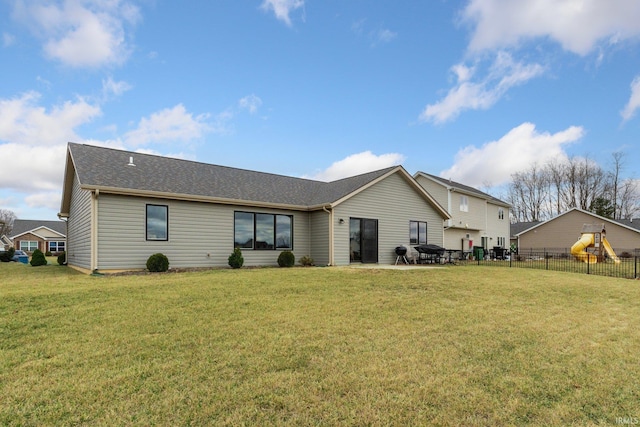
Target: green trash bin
point(478, 252)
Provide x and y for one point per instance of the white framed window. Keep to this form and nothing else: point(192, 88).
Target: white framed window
point(56, 246)
point(500, 213)
point(464, 204)
point(28, 245)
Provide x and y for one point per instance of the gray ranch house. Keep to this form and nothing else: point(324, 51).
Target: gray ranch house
point(121, 207)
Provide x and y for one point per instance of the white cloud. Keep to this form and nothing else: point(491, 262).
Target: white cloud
point(23, 121)
point(46, 200)
point(169, 125)
point(31, 168)
point(8, 39)
point(516, 151)
point(356, 164)
point(112, 87)
point(81, 33)
point(250, 103)
point(375, 37)
point(282, 8)
point(634, 101)
point(577, 25)
point(482, 94)
point(384, 36)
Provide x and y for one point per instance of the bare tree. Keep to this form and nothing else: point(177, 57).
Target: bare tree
point(629, 199)
point(6, 221)
point(556, 172)
point(528, 193)
point(541, 193)
point(618, 165)
point(585, 182)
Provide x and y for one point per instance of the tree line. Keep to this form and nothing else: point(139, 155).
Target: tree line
point(544, 191)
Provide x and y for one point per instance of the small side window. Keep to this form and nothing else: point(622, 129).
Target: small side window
point(464, 204)
point(157, 222)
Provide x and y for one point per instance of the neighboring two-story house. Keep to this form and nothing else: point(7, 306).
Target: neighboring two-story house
point(477, 219)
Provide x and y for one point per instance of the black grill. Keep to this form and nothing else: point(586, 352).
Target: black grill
point(401, 250)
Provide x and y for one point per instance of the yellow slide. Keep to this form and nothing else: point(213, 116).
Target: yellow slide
point(578, 249)
point(607, 247)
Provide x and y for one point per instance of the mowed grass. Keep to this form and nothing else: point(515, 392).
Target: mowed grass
point(318, 346)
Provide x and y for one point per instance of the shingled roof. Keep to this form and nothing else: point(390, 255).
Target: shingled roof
point(21, 226)
point(464, 188)
point(109, 170)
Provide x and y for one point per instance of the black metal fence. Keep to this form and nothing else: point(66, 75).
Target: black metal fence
point(627, 264)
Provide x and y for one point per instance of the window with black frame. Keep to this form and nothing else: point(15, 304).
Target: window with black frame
point(263, 231)
point(157, 223)
point(417, 232)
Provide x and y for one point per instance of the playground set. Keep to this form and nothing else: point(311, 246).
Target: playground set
point(593, 236)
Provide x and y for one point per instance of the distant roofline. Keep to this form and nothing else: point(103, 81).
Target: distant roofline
point(461, 188)
point(601, 218)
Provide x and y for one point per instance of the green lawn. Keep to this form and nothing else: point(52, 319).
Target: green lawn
point(460, 345)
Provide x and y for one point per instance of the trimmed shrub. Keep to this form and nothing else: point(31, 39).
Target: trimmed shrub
point(62, 258)
point(158, 263)
point(38, 259)
point(306, 261)
point(48, 253)
point(286, 259)
point(8, 254)
point(235, 259)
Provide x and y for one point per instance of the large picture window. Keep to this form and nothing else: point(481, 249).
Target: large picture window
point(417, 232)
point(158, 222)
point(28, 246)
point(262, 231)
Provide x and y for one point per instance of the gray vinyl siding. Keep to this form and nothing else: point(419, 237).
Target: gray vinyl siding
point(200, 234)
point(437, 191)
point(394, 204)
point(319, 221)
point(79, 228)
point(565, 230)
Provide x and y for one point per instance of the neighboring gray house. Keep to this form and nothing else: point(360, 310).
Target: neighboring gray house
point(121, 207)
point(477, 218)
point(563, 230)
point(29, 235)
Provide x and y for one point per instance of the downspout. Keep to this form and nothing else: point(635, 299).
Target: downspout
point(331, 231)
point(66, 234)
point(94, 230)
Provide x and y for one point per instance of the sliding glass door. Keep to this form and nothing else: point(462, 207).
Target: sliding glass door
point(363, 240)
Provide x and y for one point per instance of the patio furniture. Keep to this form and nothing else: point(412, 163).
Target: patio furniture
point(429, 254)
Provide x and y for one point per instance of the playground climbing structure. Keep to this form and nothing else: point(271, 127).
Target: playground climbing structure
point(593, 247)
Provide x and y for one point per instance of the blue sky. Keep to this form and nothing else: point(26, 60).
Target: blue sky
point(470, 90)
